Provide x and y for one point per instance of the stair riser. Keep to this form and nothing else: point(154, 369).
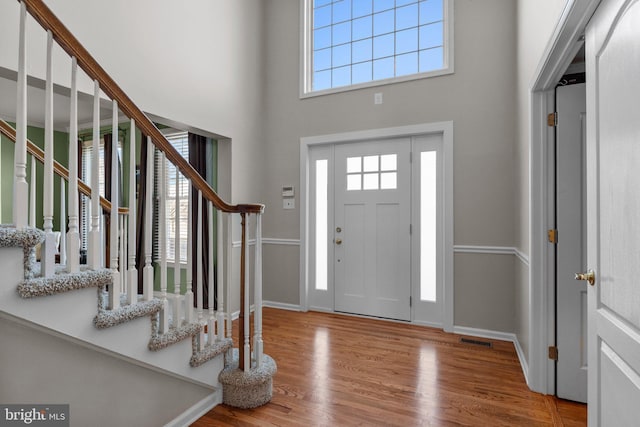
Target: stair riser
point(72, 313)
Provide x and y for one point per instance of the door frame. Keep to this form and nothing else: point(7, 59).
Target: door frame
point(565, 42)
point(306, 143)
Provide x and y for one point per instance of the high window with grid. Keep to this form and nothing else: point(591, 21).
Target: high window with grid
point(357, 42)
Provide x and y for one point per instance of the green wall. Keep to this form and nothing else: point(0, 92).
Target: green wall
point(61, 154)
point(7, 149)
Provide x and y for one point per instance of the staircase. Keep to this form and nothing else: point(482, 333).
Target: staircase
point(92, 308)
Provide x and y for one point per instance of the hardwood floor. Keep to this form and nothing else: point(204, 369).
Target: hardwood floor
point(336, 370)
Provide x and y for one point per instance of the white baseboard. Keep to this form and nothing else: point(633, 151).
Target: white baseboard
point(522, 358)
point(197, 411)
point(281, 305)
point(437, 325)
point(484, 333)
point(501, 336)
point(271, 304)
point(236, 314)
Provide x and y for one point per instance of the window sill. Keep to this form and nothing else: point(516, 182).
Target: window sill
point(393, 80)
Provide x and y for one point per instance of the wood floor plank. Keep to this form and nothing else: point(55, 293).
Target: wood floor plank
point(336, 370)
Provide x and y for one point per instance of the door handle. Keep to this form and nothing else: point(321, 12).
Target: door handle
point(589, 276)
point(338, 241)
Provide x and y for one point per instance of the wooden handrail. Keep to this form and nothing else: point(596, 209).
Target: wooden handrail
point(7, 130)
point(43, 15)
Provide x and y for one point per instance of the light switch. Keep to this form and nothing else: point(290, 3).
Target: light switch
point(377, 98)
point(288, 203)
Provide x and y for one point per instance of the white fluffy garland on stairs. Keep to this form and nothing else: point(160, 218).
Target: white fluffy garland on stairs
point(248, 389)
point(33, 286)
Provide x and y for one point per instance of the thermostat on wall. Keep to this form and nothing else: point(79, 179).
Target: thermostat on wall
point(287, 191)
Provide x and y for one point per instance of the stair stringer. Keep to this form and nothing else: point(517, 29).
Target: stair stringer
point(71, 314)
point(101, 389)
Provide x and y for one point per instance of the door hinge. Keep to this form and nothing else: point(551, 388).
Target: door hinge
point(410, 228)
point(552, 119)
point(552, 235)
point(410, 301)
point(553, 353)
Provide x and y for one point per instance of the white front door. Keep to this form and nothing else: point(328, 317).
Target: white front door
point(613, 213)
point(571, 297)
point(372, 258)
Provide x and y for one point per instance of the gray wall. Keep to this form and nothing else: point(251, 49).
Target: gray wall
point(480, 100)
point(232, 68)
point(101, 390)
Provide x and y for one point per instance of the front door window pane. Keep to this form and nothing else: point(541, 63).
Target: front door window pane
point(428, 225)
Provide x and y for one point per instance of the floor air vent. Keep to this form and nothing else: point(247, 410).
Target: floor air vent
point(475, 342)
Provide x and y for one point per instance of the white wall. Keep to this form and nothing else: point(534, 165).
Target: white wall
point(536, 22)
point(101, 390)
point(479, 98)
point(198, 63)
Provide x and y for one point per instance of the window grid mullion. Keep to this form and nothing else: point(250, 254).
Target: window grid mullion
point(339, 58)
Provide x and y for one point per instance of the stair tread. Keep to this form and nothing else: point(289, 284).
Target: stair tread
point(62, 281)
point(210, 351)
point(159, 341)
point(125, 313)
point(26, 238)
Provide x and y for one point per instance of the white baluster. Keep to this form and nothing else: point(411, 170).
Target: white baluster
point(122, 252)
point(132, 295)
point(63, 223)
point(114, 294)
point(32, 194)
point(227, 293)
point(220, 275)
point(246, 302)
point(188, 296)
point(1, 185)
point(73, 236)
point(257, 296)
point(48, 253)
point(94, 255)
point(147, 273)
point(164, 313)
point(103, 239)
point(199, 278)
point(211, 326)
point(20, 186)
point(177, 270)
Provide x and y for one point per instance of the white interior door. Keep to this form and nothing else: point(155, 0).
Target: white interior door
point(571, 297)
point(372, 258)
point(613, 213)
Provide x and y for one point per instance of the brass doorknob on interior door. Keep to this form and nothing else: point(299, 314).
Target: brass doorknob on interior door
point(338, 241)
point(589, 276)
